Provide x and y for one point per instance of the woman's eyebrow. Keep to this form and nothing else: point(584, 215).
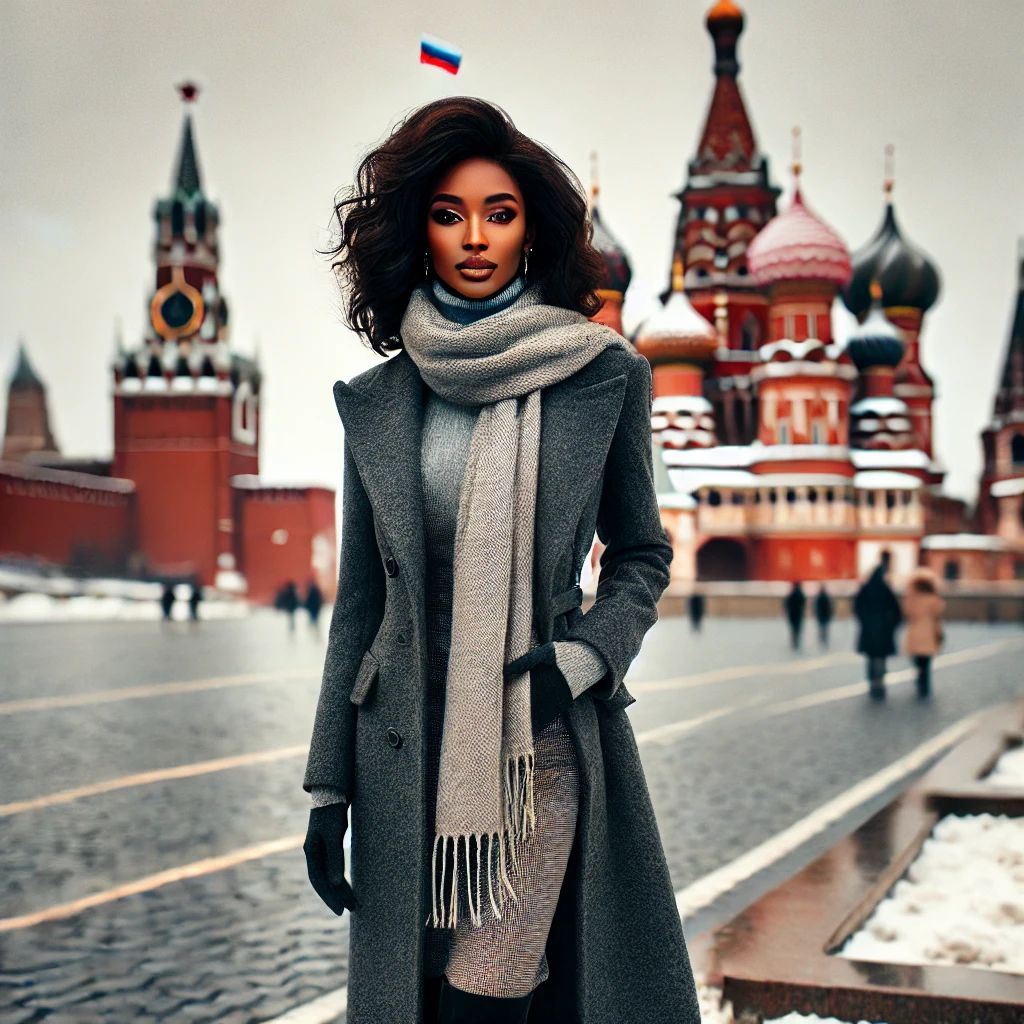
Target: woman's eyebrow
point(445, 197)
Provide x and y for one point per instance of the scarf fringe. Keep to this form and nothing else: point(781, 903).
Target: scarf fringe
point(502, 850)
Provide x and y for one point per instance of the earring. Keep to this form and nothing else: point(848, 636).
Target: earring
point(426, 263)
point(526, 257)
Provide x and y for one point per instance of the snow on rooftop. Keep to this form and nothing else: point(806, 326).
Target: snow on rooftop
point(885, 479)
point(880, 405)
point(1005, 488)
point(871, 458)
point(963, 542)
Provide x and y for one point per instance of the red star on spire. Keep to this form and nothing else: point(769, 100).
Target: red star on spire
point(189, 91)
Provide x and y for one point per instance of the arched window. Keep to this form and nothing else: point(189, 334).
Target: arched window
point(951, 570)
point(714, 497)
point(1017, 449)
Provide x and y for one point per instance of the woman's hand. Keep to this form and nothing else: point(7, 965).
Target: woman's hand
point(325, 856)
point(549, 691)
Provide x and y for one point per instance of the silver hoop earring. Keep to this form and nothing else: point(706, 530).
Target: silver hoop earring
point(526, 260)
point(426, 263)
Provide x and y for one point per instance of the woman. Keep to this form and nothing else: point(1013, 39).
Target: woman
point(922, 610)
point(505, 855)
point(878, 615)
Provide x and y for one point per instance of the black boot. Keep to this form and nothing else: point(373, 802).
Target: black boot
point(458, 1007)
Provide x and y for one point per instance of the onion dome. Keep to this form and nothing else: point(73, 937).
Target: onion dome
point(798, 245)
point(617, 270)
point(725, 23)
point(907, 276)
point(676, 330)
point(877, 341)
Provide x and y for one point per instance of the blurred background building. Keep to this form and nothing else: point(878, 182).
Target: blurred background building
point(181, 498)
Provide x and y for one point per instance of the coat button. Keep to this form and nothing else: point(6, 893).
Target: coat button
point(394, 737)
point(390, 566)
point(401, 638)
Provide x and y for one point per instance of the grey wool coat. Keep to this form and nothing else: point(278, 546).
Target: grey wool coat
point(616, 951)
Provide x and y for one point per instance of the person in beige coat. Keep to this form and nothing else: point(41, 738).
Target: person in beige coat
point(922, 612)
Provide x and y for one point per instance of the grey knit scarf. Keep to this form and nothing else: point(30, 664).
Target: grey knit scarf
point(485, 789)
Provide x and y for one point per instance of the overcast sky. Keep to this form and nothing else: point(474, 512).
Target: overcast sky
point(294, 93)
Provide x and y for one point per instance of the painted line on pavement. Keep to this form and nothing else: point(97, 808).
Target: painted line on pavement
point(207, 866)
point(903, 675)
point(77, 700)
point(181, 771)
point(733, 672)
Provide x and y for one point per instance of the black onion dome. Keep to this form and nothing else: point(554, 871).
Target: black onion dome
point(907, 276)
point(618, 272)
point(876, 342)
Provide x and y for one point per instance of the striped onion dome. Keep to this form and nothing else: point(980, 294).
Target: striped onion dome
point(798, 245)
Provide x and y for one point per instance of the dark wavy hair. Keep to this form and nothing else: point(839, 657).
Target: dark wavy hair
point(382, 219)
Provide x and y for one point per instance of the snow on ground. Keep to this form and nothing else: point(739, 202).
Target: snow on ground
point(1008, 770)
point(89, 607)
point(800, 1018)
point(960, 902)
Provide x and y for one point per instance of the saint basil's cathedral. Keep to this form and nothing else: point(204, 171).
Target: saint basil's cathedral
point(778, 454)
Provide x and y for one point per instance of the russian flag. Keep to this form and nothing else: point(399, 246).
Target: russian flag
point(439, 53)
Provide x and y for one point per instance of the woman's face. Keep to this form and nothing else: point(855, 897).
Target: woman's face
point(477, 216)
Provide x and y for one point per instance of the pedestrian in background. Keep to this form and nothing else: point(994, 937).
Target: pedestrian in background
point(795, 606)
point(823, 610)
point(287, 601)
point(878, 614)
point(697, 608)
point(313, 603)
point(923, 609)
point(167, 601)
point(194, 597)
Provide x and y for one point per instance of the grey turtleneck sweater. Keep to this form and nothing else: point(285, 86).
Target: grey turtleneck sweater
point(447, 431)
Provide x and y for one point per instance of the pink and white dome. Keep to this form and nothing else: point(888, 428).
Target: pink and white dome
point(798, 246)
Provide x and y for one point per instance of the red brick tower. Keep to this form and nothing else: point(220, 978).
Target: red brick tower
point(28, 421)
point(1001, 493)
point(186, 408)
point(727, 199)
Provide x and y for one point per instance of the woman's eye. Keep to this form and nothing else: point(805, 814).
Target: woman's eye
point(440, 215)
point(509, 215)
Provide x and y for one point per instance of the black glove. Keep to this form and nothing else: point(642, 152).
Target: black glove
point(325, 856)
point(549, 692)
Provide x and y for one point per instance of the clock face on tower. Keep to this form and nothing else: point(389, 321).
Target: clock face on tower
point(176, 309)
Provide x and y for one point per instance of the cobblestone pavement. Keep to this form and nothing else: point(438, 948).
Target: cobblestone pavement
point(247, 941)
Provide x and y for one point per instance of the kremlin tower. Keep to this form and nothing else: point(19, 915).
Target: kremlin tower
point(181, 499)
point(618, 273)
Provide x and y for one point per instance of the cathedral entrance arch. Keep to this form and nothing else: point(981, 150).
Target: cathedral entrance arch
point(722, 559)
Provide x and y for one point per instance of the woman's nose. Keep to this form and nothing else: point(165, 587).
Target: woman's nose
point(475, 232)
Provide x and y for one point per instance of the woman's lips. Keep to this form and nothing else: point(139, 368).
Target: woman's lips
point(476, 273)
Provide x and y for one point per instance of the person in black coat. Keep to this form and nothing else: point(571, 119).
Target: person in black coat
point(795, 605)
point(823, 610)
point(696, 608)
point(313, 602)
point(878, 614)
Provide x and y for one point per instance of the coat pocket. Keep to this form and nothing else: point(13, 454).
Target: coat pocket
point(366, 678)
point(621, 698)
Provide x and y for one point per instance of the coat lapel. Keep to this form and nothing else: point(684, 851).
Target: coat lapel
point(383, 420)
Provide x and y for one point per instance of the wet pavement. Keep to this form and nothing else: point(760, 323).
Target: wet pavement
point(246, 939)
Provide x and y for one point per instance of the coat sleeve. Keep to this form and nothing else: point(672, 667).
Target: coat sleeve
point(358, 611)
point(635, 561)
